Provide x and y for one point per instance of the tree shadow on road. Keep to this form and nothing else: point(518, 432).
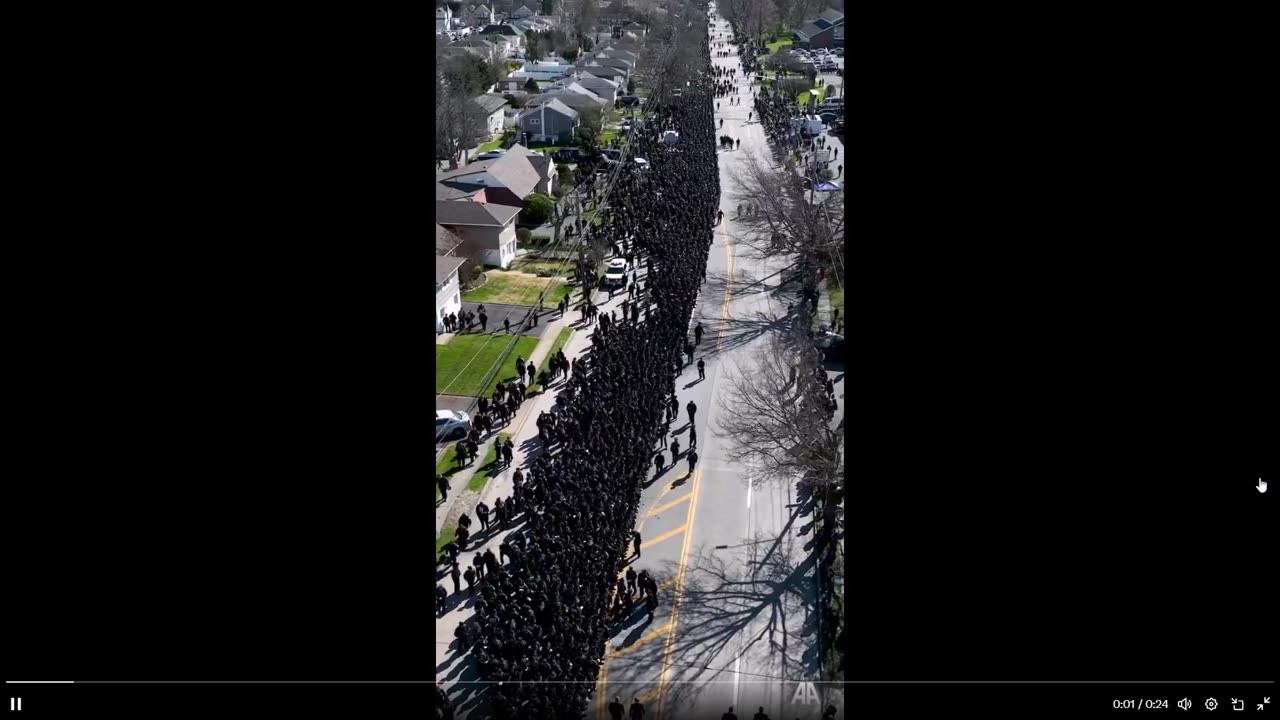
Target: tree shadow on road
point(761, 592)
point(735, 332)
point(725, 598)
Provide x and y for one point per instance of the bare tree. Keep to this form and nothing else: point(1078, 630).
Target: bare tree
point(782, 218)
point(777, 417)
point(460, 123)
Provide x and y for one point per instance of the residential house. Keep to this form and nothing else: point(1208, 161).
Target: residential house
point(607, 90)
point(488, 230)
point(552, 121)
point(581, 100)
point(608, 73)
point(491, 106)
point(544, 71)
point(506, 180)
point(827, 30)
point(482, 16)
point(448, 290)
point(613, 51)
point(444, 19)
point(522, 12)
point(512, 34)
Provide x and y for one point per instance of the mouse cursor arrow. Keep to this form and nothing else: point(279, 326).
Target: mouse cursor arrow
point(1262, 485)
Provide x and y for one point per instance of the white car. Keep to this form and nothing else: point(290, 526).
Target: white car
point(491, 155)
point(451, 425)
point(616, 272)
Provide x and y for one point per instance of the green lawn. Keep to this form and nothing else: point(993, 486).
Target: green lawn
point(608, 135)
point(445, 536)
point(512, 289)
point(488, 467)
point(545, 268)
point(561, 339)
point(493, 144)
point(777, 45)
point(462, 364)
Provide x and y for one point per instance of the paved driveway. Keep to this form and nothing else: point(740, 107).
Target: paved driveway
point(516, 313)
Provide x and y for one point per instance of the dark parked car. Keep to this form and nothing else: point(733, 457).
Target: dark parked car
point(831, 345)
point(827, 117)
point(629, 100)
point(838, 126)
point(567, 155)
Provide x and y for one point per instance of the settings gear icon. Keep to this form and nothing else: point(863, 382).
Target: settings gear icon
point(1211, 704)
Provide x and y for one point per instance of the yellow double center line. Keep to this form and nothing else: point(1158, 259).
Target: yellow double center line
point(675, 603)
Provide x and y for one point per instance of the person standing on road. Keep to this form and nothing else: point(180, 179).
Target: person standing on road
point(760, 715)
point(702, 369)
point(470, 577)
point(693, 460)
point(442, 483)
point(692, 408)
point(729, 715)
point(635, 538)
point(442, 595)
point(631, 579)
point(456, 577)
point(616, 709)
point(675, 450)
point(657, 463)
point(693, 436)
point(482, 512)
point(484, 321)
point(637, 709)
point(651, 604)
point(697, 334)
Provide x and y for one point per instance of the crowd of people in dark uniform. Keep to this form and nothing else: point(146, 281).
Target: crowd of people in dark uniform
point(545, 603)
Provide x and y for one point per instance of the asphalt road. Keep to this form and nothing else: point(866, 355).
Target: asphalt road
point(735, 622)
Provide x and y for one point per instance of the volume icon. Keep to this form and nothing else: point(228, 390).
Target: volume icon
point(1184, 703)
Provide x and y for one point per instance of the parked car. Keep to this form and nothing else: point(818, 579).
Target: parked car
point(827, 116)
point(838, 126)
point(831, 345)
point(567, 155)
point(491, 155)
point(828, 67)
point(451, 425)
point(629, 100)
point(616, 272)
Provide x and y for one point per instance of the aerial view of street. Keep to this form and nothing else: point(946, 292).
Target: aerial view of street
point(640, 345)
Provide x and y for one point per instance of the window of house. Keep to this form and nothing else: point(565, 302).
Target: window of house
point(533, 121)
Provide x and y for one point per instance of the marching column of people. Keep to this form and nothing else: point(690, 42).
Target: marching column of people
point(543, 606)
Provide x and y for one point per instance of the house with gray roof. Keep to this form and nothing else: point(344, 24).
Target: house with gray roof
point(506, 180)
point(492, 108)
point(448, 289)
point(582, 101)
point(551, 121)
point(608, 73)
point(488, 230)
point(607, 90)
point(827, 30)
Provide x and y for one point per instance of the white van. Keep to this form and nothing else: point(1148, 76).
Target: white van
point(811, 125)
point(831, 104)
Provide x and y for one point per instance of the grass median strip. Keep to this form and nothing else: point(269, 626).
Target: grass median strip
point(442, 539)
point(462, 364)
point(489, 467)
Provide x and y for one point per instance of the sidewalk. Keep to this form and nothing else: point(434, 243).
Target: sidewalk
point(460, 498)
point(524, 435)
